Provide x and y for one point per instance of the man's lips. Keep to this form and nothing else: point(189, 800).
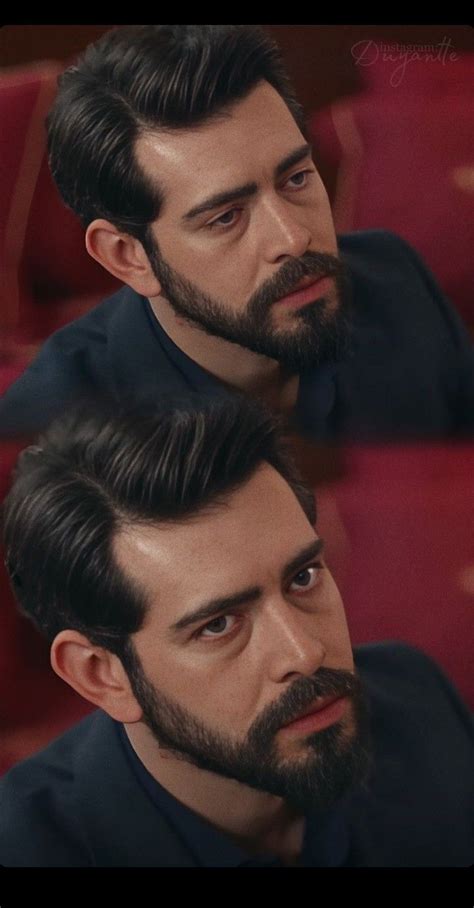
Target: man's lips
point(307, 280)
point(309, 289)
point(322, 713)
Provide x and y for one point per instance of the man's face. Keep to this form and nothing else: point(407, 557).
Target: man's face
point(220, 682)
point(246, 220)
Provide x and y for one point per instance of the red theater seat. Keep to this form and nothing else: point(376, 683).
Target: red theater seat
point(47, 276)
point(400, 528)
point(35, 704)
point(403, 154)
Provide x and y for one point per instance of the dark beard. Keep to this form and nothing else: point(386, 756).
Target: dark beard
point(329, 762)
point(317, 336)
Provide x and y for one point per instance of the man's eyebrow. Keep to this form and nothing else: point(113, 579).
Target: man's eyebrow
point(221, 198)
point(313, 550)
point(221, 604)
point(247, 189)
point(215, 607)
point(299, 154)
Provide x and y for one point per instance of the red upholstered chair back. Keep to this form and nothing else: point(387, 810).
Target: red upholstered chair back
point(47, 276)
point(47, 279)
point(403, 151)
point(400, 532)
point(35, 705)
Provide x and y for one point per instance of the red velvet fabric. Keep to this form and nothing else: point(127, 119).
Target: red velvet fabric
point(35, 705)
point(402, 150)
point(48, 276)
point(402, 526)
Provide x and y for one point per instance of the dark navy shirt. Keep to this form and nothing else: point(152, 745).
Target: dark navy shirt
point(316, 391)
point(409, 372)
point(326, 840)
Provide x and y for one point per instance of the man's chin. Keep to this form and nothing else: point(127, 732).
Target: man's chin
point(320, 768)
point(286, 315)
point(340, 735)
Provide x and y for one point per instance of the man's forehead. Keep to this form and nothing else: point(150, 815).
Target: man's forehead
point(265, 499)
point(255, 533)
point(220, 150)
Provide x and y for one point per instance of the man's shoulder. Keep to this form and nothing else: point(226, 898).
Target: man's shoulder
point(61, 755)
point(400, 662)
point(392, 656)
point(374, 241)
point(379, 254)
point(392, 290)
point(98, 355)
point(398, 306)
point(40, 799)
point(78, 803)
point(417, 808)
point(95, 324)
point(404, 682)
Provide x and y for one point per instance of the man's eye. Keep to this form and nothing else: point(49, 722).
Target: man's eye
point(307, 578)
point(228, 219)
point(300, 179)
point(218, 627)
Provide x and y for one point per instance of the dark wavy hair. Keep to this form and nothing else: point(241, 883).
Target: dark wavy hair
point(141, 78)
point(94, 472)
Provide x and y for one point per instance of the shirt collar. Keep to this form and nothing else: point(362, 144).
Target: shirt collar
point(195, 376)
point(326, 840)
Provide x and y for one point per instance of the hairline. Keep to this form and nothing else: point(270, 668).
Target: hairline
point(148, 130)
point(221, 501)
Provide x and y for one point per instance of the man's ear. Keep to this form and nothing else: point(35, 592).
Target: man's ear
point(96, 674)
point(123, 255)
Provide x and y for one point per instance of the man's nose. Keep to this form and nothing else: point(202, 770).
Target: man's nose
point(283, 230)
point(293, 644)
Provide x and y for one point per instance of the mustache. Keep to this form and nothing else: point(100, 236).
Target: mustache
point(317, 264)
point(327, 682)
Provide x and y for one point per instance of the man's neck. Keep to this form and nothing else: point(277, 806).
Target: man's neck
point(257, 376)
point(258, 822)
point(284, 840)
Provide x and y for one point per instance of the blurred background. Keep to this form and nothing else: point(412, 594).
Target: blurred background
point(391, 112)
